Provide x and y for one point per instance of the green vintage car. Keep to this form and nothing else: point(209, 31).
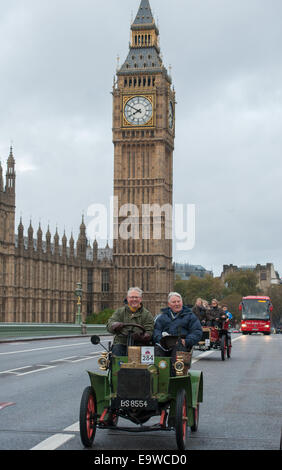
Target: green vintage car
point(138, 387)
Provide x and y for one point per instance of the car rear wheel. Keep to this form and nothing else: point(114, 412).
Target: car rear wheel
point(229, 347)
point(223, 347)
point(196, 412)
point(181, 420)
point(88, 417)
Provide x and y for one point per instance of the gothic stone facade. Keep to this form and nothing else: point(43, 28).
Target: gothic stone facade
point(38, 277)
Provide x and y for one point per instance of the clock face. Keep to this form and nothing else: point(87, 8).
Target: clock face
point(170, 115)
point(138, 111)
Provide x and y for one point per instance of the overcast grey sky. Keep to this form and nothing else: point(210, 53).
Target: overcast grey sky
point(57, 62)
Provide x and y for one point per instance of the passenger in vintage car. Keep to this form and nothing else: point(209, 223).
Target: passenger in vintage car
point(179, 321)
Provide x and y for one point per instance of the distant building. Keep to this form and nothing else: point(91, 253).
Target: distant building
point(185, 271)
point(266, 274)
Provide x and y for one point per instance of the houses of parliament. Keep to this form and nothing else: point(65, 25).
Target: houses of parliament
point(39, 272)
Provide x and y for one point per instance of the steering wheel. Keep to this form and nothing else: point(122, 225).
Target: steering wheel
point(134, 325)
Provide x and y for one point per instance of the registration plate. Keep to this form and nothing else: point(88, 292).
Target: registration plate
point(133, 403)
point(207, 342)
point(127, 403)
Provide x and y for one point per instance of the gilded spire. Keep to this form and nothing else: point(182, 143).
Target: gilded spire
point(144, 53)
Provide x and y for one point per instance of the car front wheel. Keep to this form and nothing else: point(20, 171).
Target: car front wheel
point(88, 417)
point(181, 420)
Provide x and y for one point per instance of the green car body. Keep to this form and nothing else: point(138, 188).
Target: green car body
point(164, 387)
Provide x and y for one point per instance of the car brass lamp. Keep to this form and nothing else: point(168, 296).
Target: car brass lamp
point(179, 365)
point(103, 361)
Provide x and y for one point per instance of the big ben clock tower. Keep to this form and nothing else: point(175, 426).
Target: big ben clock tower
point(143, 137)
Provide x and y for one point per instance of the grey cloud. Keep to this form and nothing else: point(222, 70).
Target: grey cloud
point(57, 61)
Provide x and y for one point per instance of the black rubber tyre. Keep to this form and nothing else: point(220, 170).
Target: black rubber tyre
point(229, 347)
point(87, 417)
point(223, 347)
point(196, 414)
point(181, 420)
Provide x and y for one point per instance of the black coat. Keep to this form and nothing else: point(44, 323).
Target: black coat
point(200, 312)
point(185, 324)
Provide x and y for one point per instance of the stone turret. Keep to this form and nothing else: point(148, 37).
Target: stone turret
point(81, 245)
point(39, 239)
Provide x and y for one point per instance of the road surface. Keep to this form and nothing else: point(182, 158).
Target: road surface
point(41, 384)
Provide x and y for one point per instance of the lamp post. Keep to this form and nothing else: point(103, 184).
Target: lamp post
point(78, 293)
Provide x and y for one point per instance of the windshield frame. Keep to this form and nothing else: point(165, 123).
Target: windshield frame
point(256, 314)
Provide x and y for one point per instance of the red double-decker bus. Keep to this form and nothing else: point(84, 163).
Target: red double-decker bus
point(256, 314)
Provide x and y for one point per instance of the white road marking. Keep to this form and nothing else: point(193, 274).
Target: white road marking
point(73, 428)
point(53, 442)
point(42, 349)
point(39, 368)
point(202, 356)
point(76, 358)
point(36, 370)
point(57, 440)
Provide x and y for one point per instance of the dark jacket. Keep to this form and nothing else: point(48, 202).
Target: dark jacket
point(216, 312)
point(202, 313)
point(123, 314)
point(185, 324)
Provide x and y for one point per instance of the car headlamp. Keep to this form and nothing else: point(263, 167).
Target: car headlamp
point(179, 365)
point(103, 361)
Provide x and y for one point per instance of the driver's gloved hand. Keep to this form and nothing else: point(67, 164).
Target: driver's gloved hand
point(117, 326)
point(146, 338)
point(137, 336)
point(142, 338)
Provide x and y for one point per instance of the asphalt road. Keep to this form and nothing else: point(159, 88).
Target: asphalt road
point(41, 384)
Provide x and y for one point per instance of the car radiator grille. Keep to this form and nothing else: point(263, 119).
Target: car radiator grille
point(134, 383)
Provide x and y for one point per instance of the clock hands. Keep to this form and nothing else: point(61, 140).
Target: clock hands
point(137, 110)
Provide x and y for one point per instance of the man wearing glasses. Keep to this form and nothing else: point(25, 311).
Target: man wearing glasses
point(133, 311)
